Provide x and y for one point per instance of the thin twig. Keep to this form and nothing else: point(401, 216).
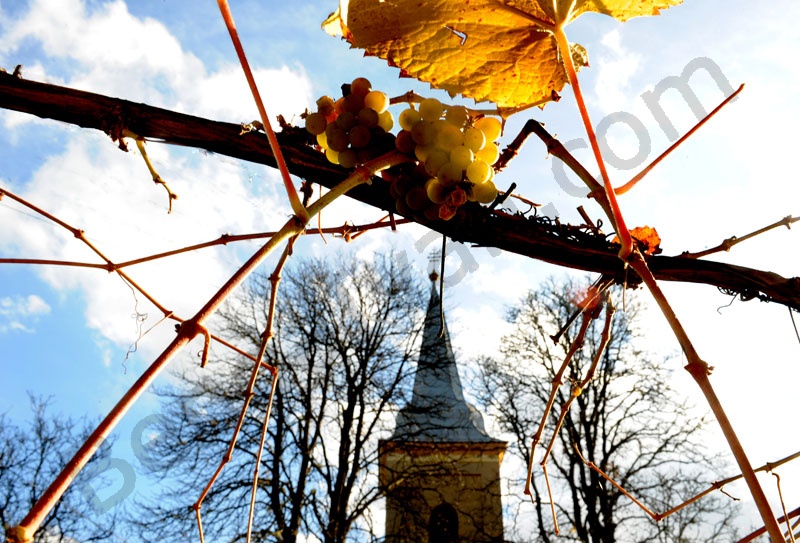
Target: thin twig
point(291, 192)
point(512, 149)
point(114, 267)
point(598, 288)
point(761, 531)
point(248, 396)
point(525, 200)
point(593, 466)
point(552, 501)
point(790, 531)
point(555, 385)
point(577, 389)
point(638, 177)
point(353, 231)
point(626, 241)
point(726, 245)
point(157, 179)
point(587, 220)
point(794, 324)
point(716, 485)
point(80, 235)
point(274, 280)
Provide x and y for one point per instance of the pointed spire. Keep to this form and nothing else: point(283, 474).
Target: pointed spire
point(438, 411)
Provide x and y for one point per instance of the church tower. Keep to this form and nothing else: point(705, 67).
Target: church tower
point(440, 470)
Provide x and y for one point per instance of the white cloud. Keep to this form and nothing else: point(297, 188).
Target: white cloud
point(224, 94)
point(18, 313)
point(108, 195)
point(109, 51)
point(616, 67)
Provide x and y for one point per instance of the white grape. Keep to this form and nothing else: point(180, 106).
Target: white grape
point(457, 115)
point(332, 156)
point(450, 174)
point(479, 172)
point(376, 100)
point(436, 191)
point(461, 157)
point(489, 154)
point(431, 109)
point(448, 136)
point(491, 126)
point(474, 138)
point(385, 120)
point(408, 118)
point(484, 193)
point(435, 160)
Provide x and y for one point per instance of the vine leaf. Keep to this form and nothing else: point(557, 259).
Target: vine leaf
point(481, 49)
point(569, 10)
point(489, 50)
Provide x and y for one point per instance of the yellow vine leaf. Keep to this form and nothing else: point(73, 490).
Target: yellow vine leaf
point(569, 10)
point(489, 50)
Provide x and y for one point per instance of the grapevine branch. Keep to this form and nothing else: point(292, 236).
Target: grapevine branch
point(346, 232)
point(556, 383)
point(577, 388)
point(639, 176)
point(539, 239)
point(727, 244)
point(294, 198)
point(248, 396)
point(716, 485)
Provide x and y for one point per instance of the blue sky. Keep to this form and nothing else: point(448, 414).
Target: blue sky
point(67, 332)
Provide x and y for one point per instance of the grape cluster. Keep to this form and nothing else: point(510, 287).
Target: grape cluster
point(452, 152)
point(456, 154)
point(354, 128)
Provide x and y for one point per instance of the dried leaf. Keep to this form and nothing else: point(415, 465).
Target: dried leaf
point(648, 237)
point(491, 50)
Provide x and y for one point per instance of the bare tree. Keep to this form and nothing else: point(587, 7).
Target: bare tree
point(345, 334)
point(30, 456)
point(627, 421)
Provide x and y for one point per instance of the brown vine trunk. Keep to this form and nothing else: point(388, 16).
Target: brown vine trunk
point(538, 238)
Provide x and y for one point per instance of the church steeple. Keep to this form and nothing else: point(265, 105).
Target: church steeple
point(438, 411)
point(440, 470)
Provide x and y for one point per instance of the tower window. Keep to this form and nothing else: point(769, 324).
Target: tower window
point(443, 524)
